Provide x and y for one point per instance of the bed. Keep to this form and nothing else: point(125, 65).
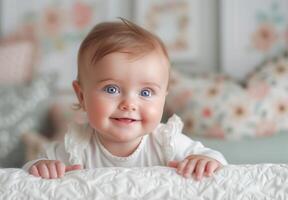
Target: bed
point(262, 181)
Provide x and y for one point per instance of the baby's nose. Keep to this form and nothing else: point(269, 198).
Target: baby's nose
point(127, 105)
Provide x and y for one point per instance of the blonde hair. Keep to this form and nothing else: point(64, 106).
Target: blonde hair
point(110, 37)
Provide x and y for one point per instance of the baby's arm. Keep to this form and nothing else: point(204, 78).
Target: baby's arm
point(51, 169)
point(53, 163)
point(196, 165)
point(198, 160)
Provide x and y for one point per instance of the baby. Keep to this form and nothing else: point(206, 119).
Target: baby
point(122, 82)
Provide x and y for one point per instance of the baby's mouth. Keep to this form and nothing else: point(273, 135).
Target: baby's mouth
point(125, 120)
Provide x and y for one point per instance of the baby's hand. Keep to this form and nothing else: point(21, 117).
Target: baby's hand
point(196, 165)
point(51, 169)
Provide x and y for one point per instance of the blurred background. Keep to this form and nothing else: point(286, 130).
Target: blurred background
point(214, 45)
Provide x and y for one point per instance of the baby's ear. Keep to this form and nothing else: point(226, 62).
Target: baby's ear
point(79, 92)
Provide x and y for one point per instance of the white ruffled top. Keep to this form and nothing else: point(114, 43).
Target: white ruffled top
point(82, 146)
point(164, 144)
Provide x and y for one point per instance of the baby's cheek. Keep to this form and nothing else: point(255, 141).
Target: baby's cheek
point(151, 117)
point(98, 114)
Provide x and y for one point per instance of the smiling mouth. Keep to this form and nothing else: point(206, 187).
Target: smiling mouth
point(125, 120)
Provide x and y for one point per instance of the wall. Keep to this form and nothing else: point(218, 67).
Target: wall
point(64, 62)
point(209, 54)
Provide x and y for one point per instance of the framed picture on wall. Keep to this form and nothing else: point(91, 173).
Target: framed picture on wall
point(251, 34)
point(59, 27)
point(175, 22)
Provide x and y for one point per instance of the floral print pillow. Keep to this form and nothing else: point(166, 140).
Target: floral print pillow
point(217, 106)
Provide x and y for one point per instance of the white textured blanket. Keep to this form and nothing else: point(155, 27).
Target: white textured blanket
point(265, 181)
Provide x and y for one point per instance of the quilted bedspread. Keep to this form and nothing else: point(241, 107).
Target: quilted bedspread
point(263, 181)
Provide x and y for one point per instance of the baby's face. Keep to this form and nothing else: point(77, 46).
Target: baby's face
point(124, 97)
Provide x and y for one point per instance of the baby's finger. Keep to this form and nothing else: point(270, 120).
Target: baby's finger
point(190, 167)
point(60, 167)
point(52, 170)
point(173, 163)
point(181, 166)
point(73, 167)
point(211, 167)
point(34, 171)
point(43, 170)
point(200, 168)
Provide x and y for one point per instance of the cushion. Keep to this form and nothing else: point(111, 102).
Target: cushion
point(54, 125)
point(21, 110)
point(217, 106)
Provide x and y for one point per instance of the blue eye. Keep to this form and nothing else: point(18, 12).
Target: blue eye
point(112, 89)
point(146, 93)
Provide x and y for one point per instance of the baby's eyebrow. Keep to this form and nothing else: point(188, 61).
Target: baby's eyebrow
point(106, 80)
point(151, 84)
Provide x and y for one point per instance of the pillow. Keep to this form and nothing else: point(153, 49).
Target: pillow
point(273, 73)
point(60, 113)
point(269, 84)
point(21, 110)
point(54, 125)
point(34, 144)
point(216, 106)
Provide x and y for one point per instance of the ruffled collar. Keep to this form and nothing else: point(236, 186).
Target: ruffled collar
point(79, 136)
